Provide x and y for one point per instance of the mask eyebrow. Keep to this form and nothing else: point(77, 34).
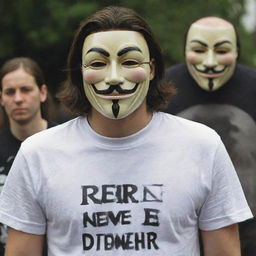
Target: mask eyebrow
point(222, 42)
point(99, 50)
point(200, 42)
point(128, 49)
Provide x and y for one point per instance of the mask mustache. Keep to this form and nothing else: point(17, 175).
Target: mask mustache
point(210, 69)
point(114, 87)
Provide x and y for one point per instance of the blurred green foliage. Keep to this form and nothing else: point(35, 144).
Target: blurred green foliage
point(43, 29)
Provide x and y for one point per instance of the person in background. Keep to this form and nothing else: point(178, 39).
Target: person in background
point(123, 178)
point(214, 89)
point(22, 94)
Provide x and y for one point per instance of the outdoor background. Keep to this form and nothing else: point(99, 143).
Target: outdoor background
point(43, 29)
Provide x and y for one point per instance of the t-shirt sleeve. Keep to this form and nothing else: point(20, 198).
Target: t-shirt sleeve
point(225, 203)
point(19, 206)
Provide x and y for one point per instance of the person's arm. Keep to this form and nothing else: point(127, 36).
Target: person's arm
point(222, 242)
point(23, 244)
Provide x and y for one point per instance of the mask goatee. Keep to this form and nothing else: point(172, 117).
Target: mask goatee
point(115, 108)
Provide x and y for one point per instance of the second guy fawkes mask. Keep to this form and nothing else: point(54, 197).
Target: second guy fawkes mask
point(211, 53)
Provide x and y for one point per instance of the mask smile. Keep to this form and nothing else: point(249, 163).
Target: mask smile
point(210, 72)
point(113, 88)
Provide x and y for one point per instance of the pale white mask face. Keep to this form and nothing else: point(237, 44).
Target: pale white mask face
point(116, 72)
point(211, 54)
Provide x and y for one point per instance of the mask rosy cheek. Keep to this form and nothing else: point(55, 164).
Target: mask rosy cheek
point(228, 59)
point(93, 76)
point(192, 58)
point(137, 75)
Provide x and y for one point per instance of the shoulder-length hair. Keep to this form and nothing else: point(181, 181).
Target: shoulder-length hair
point(32, 68)
point(112, 18)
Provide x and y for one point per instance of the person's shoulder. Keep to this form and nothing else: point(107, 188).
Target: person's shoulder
point(178, 66)
point(4, 138)
point(243, 79)
point(6, 135)
point(176, 69)
point(179, 75)
point(51, 136)
point(246, 68)
point(189, 130)
point(246, 72)
point(4, 130)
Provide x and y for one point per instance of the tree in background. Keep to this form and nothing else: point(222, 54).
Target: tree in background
point(43, 30)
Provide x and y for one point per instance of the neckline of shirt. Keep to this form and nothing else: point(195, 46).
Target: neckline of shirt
point(130, 141)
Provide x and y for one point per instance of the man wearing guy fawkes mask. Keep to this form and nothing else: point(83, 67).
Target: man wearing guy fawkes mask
point(115, 88)
point(213, 89)
point(122, 177)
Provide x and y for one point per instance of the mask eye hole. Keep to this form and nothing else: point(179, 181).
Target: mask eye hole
point(199, 51)
point(221, 51)
point(130, 63)
point(97, 65)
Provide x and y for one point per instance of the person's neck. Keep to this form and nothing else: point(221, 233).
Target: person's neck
point(21, 131)
point(121, 127)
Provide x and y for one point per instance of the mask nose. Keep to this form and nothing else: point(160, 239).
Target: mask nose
point(114, 77)
point(210, 60)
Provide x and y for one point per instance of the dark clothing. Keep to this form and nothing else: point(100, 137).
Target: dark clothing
point(239, 91)
point(9, 146)
point(231, 111)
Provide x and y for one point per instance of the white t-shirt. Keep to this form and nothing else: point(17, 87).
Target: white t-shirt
point(145, 194)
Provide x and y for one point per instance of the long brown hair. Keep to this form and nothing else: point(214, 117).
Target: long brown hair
point(113, 18)
point(32, 68)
